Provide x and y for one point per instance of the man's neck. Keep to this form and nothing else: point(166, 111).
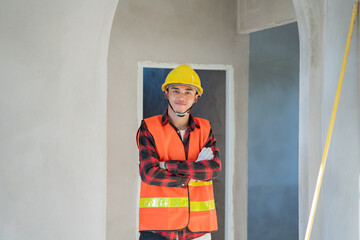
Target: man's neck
point(180, 123)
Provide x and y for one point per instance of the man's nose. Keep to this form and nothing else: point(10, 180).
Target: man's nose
point(182, 96)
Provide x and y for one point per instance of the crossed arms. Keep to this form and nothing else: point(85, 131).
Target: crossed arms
point(178, 173)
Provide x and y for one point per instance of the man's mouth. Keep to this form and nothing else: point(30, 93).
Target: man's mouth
point(180, 103)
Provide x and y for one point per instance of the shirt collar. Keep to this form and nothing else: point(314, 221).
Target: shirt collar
point(166, 119)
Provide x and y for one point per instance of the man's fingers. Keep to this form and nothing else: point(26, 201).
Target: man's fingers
point(202, 154)
point(205, 154)
point(162, 165)
point(209, 154)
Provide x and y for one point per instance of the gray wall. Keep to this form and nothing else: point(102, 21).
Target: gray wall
point(254, 15)
point(322, 44)
point(53, 118)
point(342, 174)
point(47, 121)
point(273, 133)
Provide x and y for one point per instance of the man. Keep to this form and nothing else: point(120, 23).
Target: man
point(178, 160)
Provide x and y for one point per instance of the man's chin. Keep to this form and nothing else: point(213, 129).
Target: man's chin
point(181, 111)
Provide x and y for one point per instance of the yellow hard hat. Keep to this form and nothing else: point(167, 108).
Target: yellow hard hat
point(183, 74)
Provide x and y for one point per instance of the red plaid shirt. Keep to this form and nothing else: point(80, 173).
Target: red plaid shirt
point(178, 173)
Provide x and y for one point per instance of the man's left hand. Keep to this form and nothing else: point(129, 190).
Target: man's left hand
point(162, 165)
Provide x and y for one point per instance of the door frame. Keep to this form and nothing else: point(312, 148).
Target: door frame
point(229, 132)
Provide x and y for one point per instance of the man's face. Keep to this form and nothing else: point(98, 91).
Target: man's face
point(181, 97)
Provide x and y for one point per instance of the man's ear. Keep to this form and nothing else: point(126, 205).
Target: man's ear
point(166, 93)
point(196, 98)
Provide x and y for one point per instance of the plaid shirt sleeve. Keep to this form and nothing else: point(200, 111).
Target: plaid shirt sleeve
point(202, 170)
point(149, 168)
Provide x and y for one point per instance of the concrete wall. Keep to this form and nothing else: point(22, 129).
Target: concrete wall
point(53, 118)
point(273, 133)
point(341, 179)
point(322, 43)
point(53, 100)
point(310, 16)
point(202, 32)
point(254, 15)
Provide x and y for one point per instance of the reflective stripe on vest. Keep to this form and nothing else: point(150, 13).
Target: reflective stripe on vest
point(202, 206)
point(164, 202)
point(200, 183)
point(177, 202)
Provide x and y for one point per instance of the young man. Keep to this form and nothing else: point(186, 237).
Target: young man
point(178, 160)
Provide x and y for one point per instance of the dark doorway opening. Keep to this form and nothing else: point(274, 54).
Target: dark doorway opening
point(210, 106)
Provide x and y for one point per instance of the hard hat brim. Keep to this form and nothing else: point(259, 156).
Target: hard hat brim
point(199, 90)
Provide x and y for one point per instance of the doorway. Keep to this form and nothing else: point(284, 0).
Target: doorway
point(213, 105)
point(273, 134)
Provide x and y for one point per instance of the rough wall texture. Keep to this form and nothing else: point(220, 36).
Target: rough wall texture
point(323, 27)
point(53, 118)
point(202, 32)
point(255, 15)
point(342, 174)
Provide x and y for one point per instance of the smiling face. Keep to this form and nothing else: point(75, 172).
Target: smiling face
point(181, 97)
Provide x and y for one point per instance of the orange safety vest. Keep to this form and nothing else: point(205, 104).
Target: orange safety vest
point(174, 208)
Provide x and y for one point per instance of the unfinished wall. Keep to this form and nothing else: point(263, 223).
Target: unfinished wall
point(341, 179)
point(255, 15)
point(53, 118)
point(202, 32)
point(322, 41)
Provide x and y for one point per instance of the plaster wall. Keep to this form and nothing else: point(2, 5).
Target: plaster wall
point(310, 18)
point(53, 118)
point(341, 191)
point(323, 27)
point(200, 32)
point(254, 15)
